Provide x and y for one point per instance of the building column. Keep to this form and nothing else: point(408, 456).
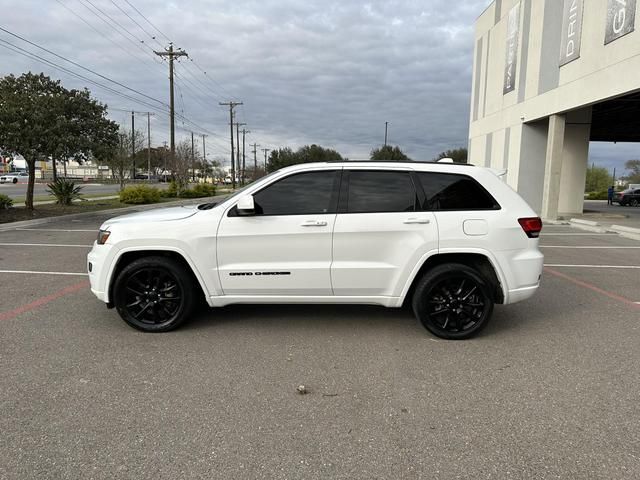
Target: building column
point(553, 167)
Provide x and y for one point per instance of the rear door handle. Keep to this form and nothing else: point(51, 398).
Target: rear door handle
point(313, 223)
point(413, 221)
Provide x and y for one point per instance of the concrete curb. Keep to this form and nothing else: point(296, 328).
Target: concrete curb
point(587, 225)
point(628, 232)
point(114, 211)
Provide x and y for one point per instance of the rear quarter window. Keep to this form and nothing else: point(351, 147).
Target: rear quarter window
point(450, 191)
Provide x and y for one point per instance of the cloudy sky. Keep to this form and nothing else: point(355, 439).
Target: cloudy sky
point(315, 71)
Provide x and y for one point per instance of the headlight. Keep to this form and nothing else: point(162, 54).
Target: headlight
point(103, 236)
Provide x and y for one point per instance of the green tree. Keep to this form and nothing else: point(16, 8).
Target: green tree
point(82, 128)
point(598, 179)
point(389, 153)
point(285, 157)
point(459, 155)
point(40, 119)
point(633, 166)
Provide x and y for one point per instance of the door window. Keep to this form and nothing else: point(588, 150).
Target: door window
point(447, 191)
point(381, 191)
point(299, 194)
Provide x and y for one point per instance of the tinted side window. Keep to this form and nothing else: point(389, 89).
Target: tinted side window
point(380, 192)
point(303, 193)
point(446, 191)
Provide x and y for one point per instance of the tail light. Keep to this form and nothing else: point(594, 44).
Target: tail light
point(531, 226)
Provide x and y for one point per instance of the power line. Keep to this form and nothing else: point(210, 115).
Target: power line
point(134, 21)
point(148, 21)
point(82, 67)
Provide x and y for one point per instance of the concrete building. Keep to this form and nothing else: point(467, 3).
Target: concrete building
point(550, 76)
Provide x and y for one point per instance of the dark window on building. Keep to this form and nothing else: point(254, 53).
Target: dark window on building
point(446, 191)
point(299, 194)
point(383, 191)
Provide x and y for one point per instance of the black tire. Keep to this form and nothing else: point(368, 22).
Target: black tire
point(453, 301)
point(138, 294)
point(634, 202)
point(15, 180)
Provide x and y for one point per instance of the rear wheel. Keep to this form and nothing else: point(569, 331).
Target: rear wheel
point(154, 294)
point(453, 301)
point(15, 180)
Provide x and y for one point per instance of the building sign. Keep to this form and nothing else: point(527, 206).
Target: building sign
point(621, 19)
point(571, 31)
point(513, 32)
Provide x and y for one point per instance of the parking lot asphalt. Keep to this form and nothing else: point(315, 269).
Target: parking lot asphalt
point(548, 390)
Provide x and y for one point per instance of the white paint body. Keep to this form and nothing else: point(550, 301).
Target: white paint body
point(366, 258)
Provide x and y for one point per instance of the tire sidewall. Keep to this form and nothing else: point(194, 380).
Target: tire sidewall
point(430, 279)
point(162, 263)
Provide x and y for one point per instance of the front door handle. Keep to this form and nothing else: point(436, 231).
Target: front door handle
point(313, 223)
point(413, 221)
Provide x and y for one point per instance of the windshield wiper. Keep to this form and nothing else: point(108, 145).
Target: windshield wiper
point(207, 206)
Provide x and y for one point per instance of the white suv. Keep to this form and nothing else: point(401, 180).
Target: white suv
point(452, 240)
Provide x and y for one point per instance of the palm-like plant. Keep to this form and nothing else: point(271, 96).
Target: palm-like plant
point(64, 190)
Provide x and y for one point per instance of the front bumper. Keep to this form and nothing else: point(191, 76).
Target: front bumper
point(97, 266)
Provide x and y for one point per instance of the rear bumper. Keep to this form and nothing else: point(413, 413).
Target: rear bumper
point(524, 272)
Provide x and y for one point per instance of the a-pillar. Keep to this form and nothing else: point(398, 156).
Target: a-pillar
point(553, 167)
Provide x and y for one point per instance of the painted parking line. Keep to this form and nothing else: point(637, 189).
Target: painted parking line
point(627, 267)
point(53, 230)
point(588, 248)
point(579, 234)
point(31, 272)
point(43, 301)
point(593, 288)
point(42, 245)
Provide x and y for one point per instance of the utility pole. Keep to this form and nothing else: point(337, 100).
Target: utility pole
point(149, 146)
point(133, 144)
point(172, 113)
point(193, 159)
point(244, 133)
point(204, 156)
point(255, 160)
point(265, 150)
point(238, 170)
point(386, 127)
point(231, 106)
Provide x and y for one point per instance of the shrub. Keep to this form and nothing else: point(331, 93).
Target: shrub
point(597, 195)
point(139, 194)
point(171, 192)
point(5, 202)
point(200, 190)
point(64, 190)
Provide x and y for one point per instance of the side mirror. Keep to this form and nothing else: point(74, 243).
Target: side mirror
point(246, 206)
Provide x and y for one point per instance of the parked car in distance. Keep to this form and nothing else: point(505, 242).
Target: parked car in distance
point(450, 240)
point(14, 177)
point(628, 197)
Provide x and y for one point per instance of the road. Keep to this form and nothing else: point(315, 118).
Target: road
point(548, 390)
point(19, 190)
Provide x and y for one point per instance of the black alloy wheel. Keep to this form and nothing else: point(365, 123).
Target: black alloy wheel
point(154, 294)
point(453, 301)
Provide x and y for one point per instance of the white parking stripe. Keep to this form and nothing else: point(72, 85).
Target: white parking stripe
point(574, 248)
point(42, 245)
point(52, 230)
point(29, 272)
point(577, 234)
point(628, 267)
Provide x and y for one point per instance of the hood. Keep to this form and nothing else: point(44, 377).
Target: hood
point(158, 215)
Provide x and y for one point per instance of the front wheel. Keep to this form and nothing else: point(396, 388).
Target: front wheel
point(453, 301)
point(154, 294)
